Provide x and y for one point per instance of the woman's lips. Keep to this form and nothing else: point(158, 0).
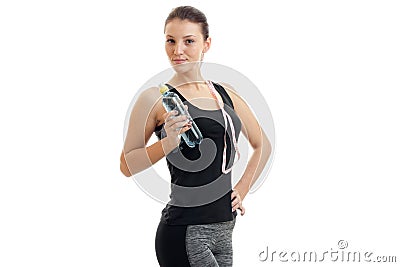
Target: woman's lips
point(179, 61)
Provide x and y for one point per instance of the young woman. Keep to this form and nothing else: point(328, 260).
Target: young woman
point(196, 226)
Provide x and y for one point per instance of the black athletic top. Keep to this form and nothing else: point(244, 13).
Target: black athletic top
point(200, 192)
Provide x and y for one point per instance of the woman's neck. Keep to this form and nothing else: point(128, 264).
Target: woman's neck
point(187, 78)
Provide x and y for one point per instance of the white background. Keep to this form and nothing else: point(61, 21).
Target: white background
point(329, 71)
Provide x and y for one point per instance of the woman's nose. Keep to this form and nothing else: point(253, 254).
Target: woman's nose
point(178, 49)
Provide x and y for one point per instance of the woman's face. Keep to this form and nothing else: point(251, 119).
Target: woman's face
point(184, 42)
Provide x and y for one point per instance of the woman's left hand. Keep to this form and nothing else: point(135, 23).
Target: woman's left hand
point(237, 202)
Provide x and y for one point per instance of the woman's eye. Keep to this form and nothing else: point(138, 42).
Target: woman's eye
point(189, 41)
point(171, 41)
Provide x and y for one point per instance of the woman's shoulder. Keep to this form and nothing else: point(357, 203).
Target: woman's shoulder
point(148, 98)
point(151, 93)
point(230, 91)
point(148, 101)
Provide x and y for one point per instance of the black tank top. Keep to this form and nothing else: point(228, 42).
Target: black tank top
point(196, 174)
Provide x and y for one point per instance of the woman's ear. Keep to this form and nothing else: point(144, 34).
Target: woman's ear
point(207, 44)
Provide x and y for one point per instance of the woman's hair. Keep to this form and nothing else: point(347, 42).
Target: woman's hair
point(191, 14)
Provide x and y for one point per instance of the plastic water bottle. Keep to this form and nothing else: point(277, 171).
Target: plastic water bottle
point(171, 101)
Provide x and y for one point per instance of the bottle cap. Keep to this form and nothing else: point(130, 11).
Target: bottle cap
point(163, 88)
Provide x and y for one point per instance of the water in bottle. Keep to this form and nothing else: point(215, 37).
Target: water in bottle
point(171, 101)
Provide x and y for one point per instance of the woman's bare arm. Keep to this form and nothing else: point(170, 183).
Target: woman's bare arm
point(257, 139)
point(136, 156)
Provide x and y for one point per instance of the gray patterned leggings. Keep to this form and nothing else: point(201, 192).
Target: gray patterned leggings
point(210, 244)
point(201, 245)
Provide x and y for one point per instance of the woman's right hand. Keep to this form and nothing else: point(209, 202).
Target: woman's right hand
point(174, 126)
